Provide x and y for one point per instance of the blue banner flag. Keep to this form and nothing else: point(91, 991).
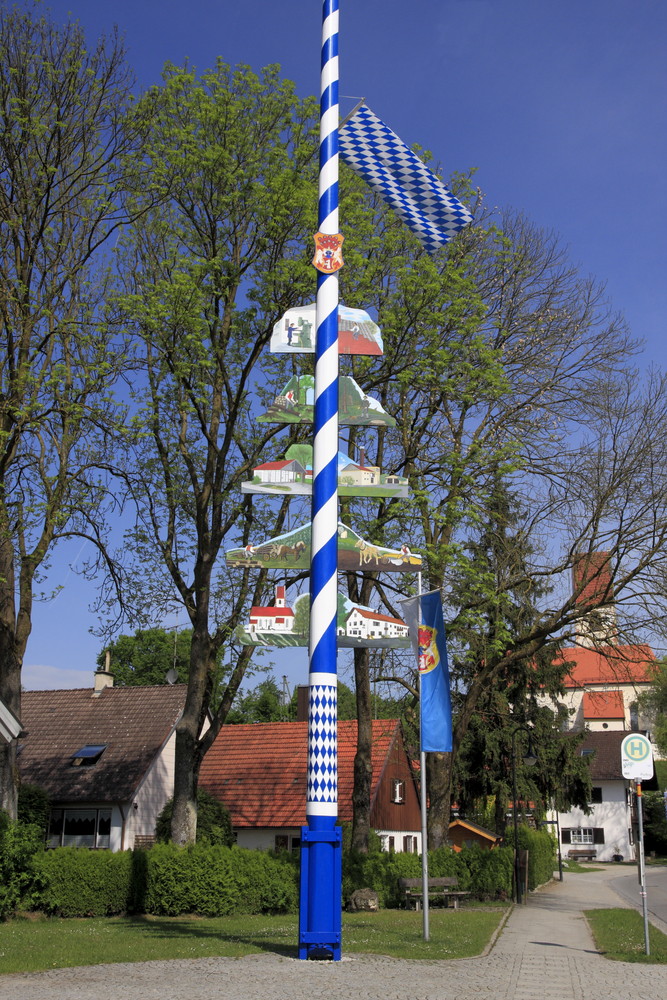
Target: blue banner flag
point(427, 630)
point(390, 167)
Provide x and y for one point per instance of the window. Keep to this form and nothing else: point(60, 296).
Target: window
point(596, 795)
point(88, 755)
point(582, 836)
point(410, 845)
point(398, 791)
point(285, 842)
point(80, 828)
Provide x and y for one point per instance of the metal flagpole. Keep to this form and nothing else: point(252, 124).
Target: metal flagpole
point(422, 764)
point(320, 887)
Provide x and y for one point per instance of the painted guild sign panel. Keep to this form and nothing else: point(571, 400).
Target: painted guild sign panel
point(328, 252)
point(295, 404)
point(293, 476)
point(292, 551)
point(279, 624)
point(294, 333)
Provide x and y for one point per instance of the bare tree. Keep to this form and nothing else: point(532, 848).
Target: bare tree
point(503, 364)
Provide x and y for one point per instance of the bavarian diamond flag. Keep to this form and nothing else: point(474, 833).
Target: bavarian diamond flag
point(423, 616)
point(414, 192)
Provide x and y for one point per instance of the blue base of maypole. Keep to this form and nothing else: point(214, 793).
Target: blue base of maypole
point(320, 897)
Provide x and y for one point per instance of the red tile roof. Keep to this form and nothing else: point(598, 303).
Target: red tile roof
point(375, 615)
point(259, 770)
point(608, 665)
point(133, 723)
point(603, 705)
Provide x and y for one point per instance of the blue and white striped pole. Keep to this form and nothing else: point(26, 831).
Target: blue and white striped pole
point(320, 898)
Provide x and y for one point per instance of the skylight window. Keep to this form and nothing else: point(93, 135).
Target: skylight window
point(88, 754)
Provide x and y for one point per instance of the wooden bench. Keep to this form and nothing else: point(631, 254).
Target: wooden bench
point(442, 888)
point(583, 854)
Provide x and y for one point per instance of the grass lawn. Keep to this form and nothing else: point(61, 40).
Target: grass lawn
point(32, 945)
point(619, 934)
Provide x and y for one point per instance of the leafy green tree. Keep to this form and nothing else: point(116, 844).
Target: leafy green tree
point(264, 703)
point(203, 279)
point(654, 706)
point(147, 657)
point(655, 822)
point(64, 127)
point(214, 822)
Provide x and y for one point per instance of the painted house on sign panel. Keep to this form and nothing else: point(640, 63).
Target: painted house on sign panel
point(259, 772)
point(104, 757)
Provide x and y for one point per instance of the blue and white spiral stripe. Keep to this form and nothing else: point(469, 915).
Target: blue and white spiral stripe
point(322, 796)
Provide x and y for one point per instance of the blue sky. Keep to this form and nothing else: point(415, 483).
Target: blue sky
point(560, 107)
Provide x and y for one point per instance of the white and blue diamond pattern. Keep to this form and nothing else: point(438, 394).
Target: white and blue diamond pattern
point(427, 207)
point(322, 795)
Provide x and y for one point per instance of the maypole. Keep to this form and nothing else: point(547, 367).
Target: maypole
point(320, 887)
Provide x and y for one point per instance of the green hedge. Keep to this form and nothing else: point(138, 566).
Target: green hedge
point(213, 880)
point(485, 874)
point(167, 880)
point(77, 882)
point(19, 846)
point(541, 848)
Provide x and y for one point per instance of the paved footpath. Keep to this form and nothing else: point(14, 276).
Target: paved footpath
point(544, 952)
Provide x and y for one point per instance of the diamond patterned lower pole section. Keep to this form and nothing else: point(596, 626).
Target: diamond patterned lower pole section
point(320, 910)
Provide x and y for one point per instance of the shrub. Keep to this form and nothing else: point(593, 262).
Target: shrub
point(77, 882)
point(213, 880)
point(19, 880)
point(34, 807)
point(214, 823)
point(541, 848)
point(489, 872)
point(485, 874)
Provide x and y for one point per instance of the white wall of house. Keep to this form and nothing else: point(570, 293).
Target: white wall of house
point(612, 815)
point(401, 841)
point(573, 699)
point(151, 796)
point(264, 839)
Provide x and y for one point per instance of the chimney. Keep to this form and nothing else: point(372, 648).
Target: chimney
point(362, 458)
point(302, 696)
point(103, 678)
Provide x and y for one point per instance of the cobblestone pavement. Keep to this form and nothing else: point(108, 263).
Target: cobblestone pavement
point(544, 952)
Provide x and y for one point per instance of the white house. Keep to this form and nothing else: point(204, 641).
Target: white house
point(104, 757)
point(365, 623)
point(607, 830)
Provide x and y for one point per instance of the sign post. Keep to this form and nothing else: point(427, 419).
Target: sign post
point(637, 764)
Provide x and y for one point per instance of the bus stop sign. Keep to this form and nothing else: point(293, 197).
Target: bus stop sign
point(636, 757)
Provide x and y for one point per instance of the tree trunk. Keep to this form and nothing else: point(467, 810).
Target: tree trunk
point(10, 674)
point(186, 774)
point(439, 790)
point(363, 764)
point(188, 749)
